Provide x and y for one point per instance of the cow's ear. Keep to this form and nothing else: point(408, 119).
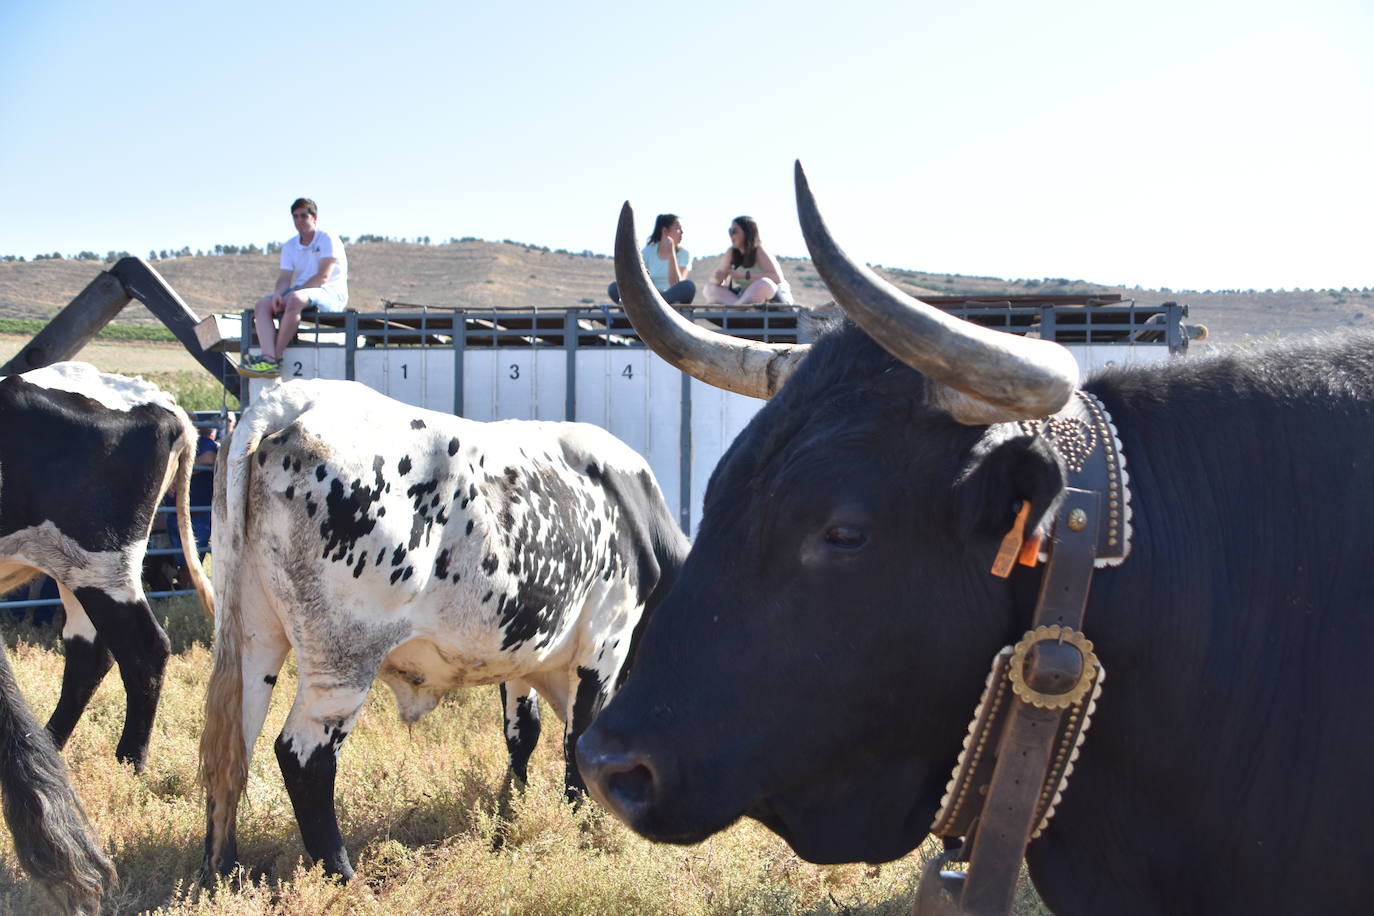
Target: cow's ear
point(1002, 474)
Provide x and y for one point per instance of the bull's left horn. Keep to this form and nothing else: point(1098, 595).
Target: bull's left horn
point(984, 376)
point(742, 366)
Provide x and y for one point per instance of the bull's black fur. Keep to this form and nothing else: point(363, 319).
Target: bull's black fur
point(52, 838)
point(817, 663)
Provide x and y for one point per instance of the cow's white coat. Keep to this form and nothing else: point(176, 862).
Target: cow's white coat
point(421, 634)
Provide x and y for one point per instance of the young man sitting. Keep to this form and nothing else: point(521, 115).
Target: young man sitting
point(314, 272)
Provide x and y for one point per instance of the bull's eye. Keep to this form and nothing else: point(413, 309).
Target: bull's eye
point(845, 537)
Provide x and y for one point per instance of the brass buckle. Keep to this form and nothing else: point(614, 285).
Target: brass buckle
point(1055, 633)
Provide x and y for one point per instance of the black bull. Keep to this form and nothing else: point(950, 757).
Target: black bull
point(817, 662)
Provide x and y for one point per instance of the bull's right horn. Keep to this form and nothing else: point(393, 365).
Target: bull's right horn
point(983, 376)
point(741, 366)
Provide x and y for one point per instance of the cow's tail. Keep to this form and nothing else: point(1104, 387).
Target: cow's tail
point(223, 752)
point(52, 838)
point(190, 551)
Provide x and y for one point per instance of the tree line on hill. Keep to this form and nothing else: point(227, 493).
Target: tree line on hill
point(273, 248)
point(165, 254)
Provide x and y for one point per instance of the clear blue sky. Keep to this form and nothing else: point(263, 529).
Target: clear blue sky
point(1195, 145)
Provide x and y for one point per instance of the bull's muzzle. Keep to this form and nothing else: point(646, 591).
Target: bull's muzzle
point(625, 782)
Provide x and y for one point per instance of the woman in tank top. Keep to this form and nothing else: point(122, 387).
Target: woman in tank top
point(747, 275)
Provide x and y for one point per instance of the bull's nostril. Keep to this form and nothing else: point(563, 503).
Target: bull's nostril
point(633, 787)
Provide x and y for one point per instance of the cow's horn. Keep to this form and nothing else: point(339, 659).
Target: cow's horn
point(984, 376)
point(742, 366)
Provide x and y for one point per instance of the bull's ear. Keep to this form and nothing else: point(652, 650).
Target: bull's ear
point(1003, 474)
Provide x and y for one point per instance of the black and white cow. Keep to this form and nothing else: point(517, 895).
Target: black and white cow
point(85, 458)
point(379, 540)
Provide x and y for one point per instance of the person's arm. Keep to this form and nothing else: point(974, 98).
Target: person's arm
point(283, 281)
point(722, 275)
point(321, 275)
point(667, 250)
point(766, 266)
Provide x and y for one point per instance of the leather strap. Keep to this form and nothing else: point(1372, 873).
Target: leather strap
point(1040, 694)
point(1028, 743)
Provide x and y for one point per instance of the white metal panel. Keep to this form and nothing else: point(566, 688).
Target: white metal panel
point(638, 398)
point(313, 362)
point(1094, 358)
point(718, 416)
point(515, 384)
point(422, 376)
point(302, 362)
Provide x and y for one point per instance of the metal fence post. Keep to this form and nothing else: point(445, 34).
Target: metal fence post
point(570, 368)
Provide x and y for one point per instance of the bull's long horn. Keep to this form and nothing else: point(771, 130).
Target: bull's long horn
point(742, 366)
point(987, 376)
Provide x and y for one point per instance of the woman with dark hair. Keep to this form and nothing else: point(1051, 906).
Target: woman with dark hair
point(667, 263)
point(747, 275)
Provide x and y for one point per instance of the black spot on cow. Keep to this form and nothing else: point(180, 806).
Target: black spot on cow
point(270, 679)
point(452, 447)
point(290, 491)
point(512, 476)
point(310, 506)
point(417, 424)
point(362, 564)
point(398, 556)
point(381, 555)
point(422, 522)
point(346, 518)
point(296, 466)
point(262, 458)
point(491, 563)
point(469, 528)
point(403, 466)
point(321, 473)
point(408, 572)
point(395, 576)
point(487, 597)
point(286, 462)
point(590, 694)
point(441, 565)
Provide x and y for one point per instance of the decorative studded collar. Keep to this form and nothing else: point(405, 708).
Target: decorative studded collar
point(1038, 701)
point(1086, 439)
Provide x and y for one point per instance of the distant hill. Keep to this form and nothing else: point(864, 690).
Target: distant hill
point(479, 274)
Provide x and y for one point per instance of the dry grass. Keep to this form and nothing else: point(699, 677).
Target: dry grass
point(417, 810)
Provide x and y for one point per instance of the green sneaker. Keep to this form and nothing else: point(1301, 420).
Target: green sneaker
point(259, 367)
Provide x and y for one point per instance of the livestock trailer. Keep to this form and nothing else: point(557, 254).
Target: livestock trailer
point(586, 363)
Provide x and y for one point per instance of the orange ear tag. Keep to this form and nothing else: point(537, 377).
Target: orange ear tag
point(1011, 544)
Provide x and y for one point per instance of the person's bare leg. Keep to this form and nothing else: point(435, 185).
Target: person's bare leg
point(290, 320)
point(760, 291)
point(262, 323)
point(721, 295)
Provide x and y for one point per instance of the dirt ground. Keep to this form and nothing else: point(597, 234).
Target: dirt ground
point(128, 358)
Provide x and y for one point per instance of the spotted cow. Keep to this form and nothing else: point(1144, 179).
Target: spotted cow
point(84, 461)
point(379, 540)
